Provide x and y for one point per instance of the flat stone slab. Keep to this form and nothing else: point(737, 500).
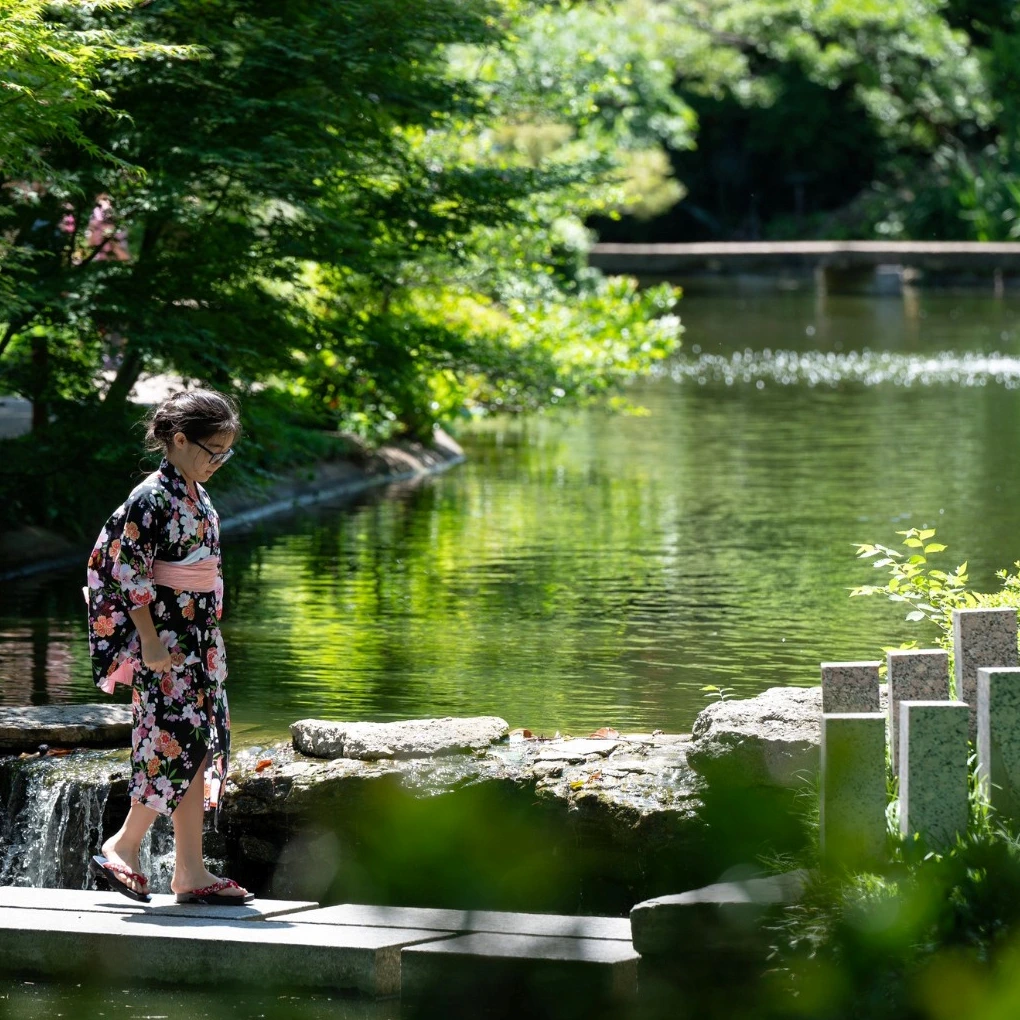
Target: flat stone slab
point(161, 904)
point(409, 738)
point(24, 729)
point(141, 947)
point(725, 916)
point(568, 965)
point(470, 921)
point(577, 750)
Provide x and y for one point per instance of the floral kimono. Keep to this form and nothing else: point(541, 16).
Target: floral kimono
point(180, 720)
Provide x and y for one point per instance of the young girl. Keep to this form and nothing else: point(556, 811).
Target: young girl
point(155, 593)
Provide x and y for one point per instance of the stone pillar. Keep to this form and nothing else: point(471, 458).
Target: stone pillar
point(998, 723)
point(853, 792)
point(981, 637)
point(914, 676)
point(849, 687)
point(933, 770)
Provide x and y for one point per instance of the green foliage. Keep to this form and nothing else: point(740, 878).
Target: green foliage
point(924, 93)
point(873, 943)
point(377, 206)
point(51, 69)
point(719, 693)
point(929, 592)
point(280, 435)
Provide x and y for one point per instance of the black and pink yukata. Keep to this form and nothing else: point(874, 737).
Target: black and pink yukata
point(161, 549)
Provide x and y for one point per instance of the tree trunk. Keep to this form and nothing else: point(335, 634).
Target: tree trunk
point(40, 382)
point(127, 375)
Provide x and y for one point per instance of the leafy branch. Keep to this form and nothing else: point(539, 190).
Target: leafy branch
point(929, 592)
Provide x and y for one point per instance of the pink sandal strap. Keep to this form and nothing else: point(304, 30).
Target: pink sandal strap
point(123, 869)
point(223, 883)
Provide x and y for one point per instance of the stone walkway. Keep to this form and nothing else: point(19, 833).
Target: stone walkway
point(378, 951)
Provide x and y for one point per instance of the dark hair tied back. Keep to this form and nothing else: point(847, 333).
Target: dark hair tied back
point(199, 414)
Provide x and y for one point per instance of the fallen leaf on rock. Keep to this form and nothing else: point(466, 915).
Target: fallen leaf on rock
point(595, 776)
point(604, 733)
point(263, 764)
point(577, 784)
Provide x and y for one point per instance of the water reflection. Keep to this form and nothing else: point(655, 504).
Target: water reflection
point(37, 663)
point(587, 570)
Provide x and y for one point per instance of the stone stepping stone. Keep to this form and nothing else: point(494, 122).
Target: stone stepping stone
point(469, 921)
point(63, 944)
point(724, 917)
point(24, 729)
point(575, 967)
point(575, 751)
point(161, 905)
point(408, 738)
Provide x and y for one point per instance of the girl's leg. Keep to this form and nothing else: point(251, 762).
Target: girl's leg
point(125, 844)
point(190, 871)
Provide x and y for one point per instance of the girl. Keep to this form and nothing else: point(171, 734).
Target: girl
point(155, 594)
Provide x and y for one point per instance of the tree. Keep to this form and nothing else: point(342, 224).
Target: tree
point(50, 70)
point(319, 193)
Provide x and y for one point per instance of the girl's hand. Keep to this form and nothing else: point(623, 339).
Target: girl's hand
point(155, 655)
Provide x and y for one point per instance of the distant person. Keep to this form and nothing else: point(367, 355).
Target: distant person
point(155, 594)
point(104, 235)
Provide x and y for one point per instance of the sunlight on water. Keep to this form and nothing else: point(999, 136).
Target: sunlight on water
point(866, 368)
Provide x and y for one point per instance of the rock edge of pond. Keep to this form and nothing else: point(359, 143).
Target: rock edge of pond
point(769, 741)
point(33, 550)
point(606, 819)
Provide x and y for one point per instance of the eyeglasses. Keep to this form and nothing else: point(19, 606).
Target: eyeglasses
point(214, 458)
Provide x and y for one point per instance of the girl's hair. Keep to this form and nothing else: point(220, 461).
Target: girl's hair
point(199, 414)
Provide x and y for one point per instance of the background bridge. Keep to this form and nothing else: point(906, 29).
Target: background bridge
point(837, 264)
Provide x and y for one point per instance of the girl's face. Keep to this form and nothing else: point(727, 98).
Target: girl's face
point(195, 459)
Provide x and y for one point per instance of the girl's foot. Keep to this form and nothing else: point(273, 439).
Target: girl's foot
point(120, 853)
point(185, 882)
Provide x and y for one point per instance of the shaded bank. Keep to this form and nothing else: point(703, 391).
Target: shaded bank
point(32, 549)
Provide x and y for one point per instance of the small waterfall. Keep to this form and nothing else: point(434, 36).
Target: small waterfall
point(52, 816)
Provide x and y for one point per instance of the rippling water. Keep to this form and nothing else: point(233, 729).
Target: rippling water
point(587, 570)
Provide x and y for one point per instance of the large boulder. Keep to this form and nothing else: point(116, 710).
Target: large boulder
point(411, 738)
point(770, 740)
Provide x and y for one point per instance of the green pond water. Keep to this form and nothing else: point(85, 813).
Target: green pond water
point(585, 570)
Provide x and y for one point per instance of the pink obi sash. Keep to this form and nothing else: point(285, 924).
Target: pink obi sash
point(202, 576)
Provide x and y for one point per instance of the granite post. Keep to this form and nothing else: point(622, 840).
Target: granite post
point(914, 676)
point(933, 770)
point(849, 687)
point(853, 793)
point(981, 637)
point(998, 722)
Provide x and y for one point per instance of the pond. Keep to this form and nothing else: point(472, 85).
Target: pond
point(583, 569)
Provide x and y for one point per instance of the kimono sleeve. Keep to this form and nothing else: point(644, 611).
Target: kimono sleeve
point(132, 539)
